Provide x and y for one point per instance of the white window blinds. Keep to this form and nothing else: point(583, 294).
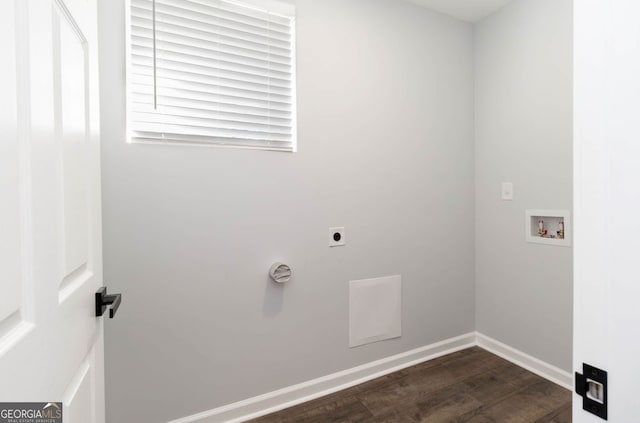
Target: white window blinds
point(211, 72)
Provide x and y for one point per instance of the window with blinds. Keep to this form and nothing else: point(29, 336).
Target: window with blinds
point(211, 72)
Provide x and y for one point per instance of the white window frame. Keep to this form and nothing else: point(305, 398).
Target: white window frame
point(284, 8)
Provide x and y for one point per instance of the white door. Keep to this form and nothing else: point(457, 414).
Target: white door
point(51, 343)
point(607, 201)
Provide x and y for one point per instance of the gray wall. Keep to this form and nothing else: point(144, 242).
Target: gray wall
point(385, 93)
point(524, 135)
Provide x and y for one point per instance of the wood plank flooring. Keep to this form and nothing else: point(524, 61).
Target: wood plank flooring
point(470, 386)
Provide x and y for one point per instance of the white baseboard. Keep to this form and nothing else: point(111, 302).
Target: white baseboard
point(296, 394)
point(534, 365)
point(316, 388)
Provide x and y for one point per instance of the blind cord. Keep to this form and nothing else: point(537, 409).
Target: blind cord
point(155, 69)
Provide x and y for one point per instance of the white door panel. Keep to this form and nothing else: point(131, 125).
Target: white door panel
point(50, 253)
point(10, 266)
point(607, 200)
point(72, 130)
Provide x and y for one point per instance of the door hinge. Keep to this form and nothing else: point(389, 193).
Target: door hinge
point(592, 387)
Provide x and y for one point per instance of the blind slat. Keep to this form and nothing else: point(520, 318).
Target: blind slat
point(213, 106)
point(235, 73)
point(154, 137)
point(141, 21)
point(218, 86)
point(170, 113)
point(165, 45)
point(231, 15)
point(205, 131)
point(197, 124)
point(198, 95)
point(208, 63)
point(181, 41)
point(143, 32)
point(202, 21)
point(238, 118)
point(238, 11)
point(228, 77)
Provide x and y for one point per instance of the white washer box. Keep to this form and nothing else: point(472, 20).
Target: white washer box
point(552, 223)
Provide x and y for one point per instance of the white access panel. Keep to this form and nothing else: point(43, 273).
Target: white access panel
point(375, 310)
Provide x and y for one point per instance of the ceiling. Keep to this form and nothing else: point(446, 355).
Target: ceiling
point(466, 10)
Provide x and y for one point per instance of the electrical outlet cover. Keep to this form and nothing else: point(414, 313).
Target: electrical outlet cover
point(507, 191)
point(337, 237)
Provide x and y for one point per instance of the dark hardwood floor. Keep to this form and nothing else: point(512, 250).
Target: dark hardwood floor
point(471, 386)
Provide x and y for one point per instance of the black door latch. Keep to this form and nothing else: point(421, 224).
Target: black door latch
point(592, 387)
point(103, 300)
